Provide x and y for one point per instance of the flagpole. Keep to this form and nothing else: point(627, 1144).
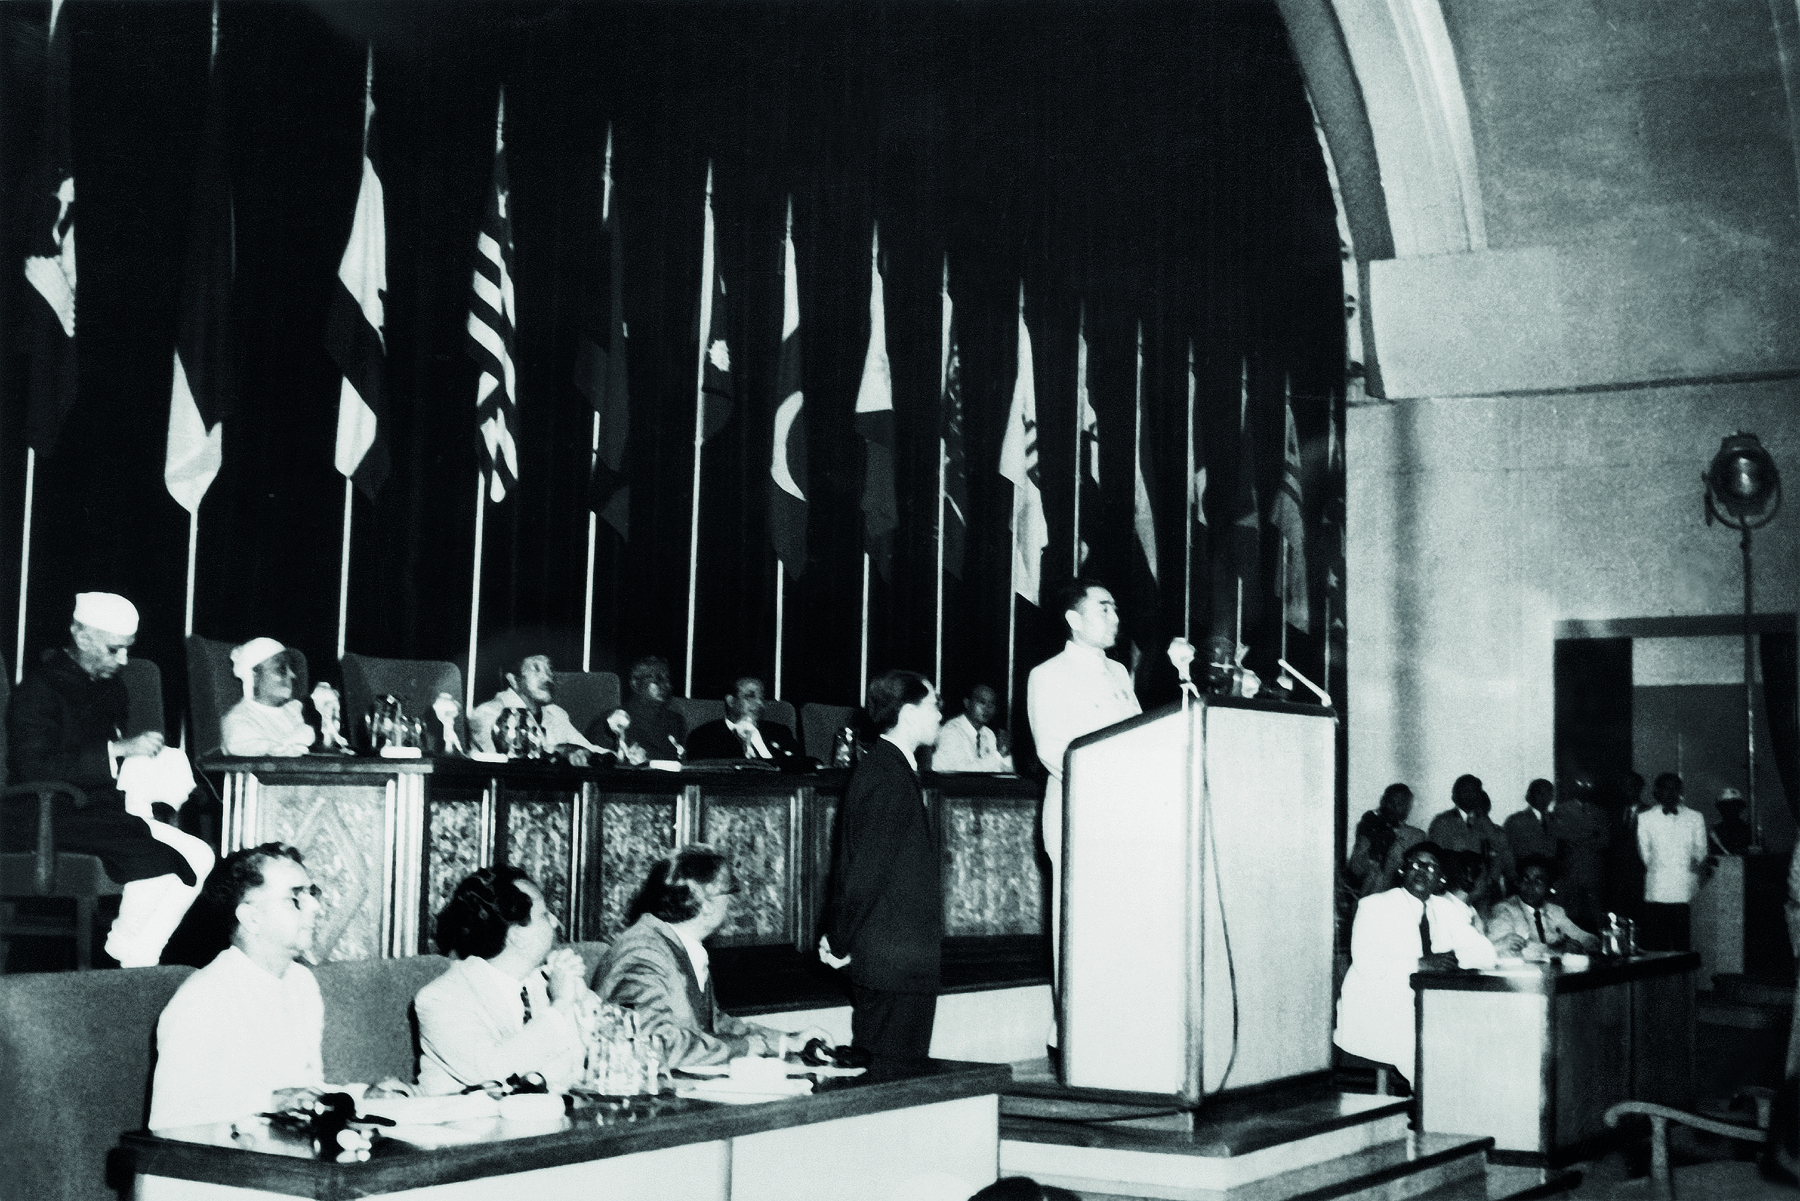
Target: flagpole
point(587, 603)
point(187, 623)
point(1187, 604)
point(706, 290)
point(780, 617)
point(1080, 421)
point(25, 560)
point(1284, 594)
point(937, 663)
point(862, 684)
point(344, 570)
point(1240, 611)
point(475, 591)
point(1012, 630)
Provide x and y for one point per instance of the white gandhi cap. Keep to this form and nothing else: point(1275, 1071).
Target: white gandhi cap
point(245, 658)
point(107, 611)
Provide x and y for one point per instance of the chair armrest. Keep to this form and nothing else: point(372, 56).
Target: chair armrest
point(1764, 1099)
point(44, 853)
point(1662, 1113)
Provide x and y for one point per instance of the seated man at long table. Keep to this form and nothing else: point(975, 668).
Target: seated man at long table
point(1529, 923)
point(268, 721)
point(660, 968)
point(742, 733)
point(530, 686)
point(513, 1002)
point(1398, 932)
point(242, 1035)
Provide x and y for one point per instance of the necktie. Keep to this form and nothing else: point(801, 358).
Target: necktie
point(525, 1000)
point(743, 734)
point(1538, 916)
point(1425, 931)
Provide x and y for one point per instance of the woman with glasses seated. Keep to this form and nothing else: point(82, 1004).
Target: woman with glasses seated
point(659, 967)
point(1398, 932)
point(513, 1002)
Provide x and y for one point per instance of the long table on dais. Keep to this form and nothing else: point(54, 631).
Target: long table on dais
point(918, 1129)
point(1535, 1054)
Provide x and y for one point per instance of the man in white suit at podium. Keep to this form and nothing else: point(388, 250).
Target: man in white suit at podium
point(1070, 694)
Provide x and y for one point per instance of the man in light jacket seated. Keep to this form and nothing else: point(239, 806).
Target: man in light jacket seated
point(660, 968)
point(510, 1004)
point(969, 741)
point(241, 1035)
point(268, 721)
point(1399, 932)
point(1530, 923)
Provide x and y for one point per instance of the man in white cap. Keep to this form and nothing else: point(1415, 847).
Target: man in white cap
point(268, 720)
point(67, 721)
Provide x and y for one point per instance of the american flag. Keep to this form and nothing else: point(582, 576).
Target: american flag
point(492, 321)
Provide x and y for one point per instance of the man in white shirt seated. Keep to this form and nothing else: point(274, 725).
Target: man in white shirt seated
point(1530, 923)
point(969, 741)
point(513, 1002)
point(1671, 840)
point(241, 1036)
point(268, 721)
point(742, 733)
point(1398, 932)
point(531, 688)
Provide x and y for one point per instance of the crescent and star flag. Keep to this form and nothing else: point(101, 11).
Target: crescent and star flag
point(1143, 520)
point(956, 459)
point(875, 422)
point(1246, 520)
point(50, 260)
point(1019, 464)
point(205, 389)
point(787, 455)
point(715, 379)
point(1287, 518)
point(1088, 465)
point(601, 361)
point(354, 324)
point(493, 319)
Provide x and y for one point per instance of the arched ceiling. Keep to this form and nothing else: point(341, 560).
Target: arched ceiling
point(1552, 194)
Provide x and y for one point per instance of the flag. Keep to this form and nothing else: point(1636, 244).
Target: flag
point(354, 323)
point(956, 461)
point(204, 389)
point(1287, 518)
point(715, 357)
point(50, 259)
point(600, 364)
point(787, 453)
point(875, 422)
point(1088, 456)
point(1019, 464)
point(493, 319)
point(1143, 520)
point(1246, 520)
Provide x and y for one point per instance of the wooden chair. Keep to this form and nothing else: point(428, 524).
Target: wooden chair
point(819, 726)
point(42, 872)
point(586, 695)
point(416, 682)
point(213, 690)
point(1723, 1180)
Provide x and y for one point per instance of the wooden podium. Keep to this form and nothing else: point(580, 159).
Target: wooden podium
point(1197, 899)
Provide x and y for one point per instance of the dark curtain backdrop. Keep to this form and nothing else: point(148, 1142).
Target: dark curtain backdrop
point(1155, 160)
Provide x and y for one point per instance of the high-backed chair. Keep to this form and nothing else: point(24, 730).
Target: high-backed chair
point(213, 690)
point(819, 726)
point(587, 695)
point(39, 871)
point(415, 682)
point(782, 714)
point(697, 711)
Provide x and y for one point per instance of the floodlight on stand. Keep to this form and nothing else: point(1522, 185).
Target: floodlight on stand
point(1743, 491)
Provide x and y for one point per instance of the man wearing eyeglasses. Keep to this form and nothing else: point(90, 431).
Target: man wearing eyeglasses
point(1398, 932)
point(242, 1035)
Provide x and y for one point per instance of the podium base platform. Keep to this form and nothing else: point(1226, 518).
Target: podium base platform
point(1299, 1142)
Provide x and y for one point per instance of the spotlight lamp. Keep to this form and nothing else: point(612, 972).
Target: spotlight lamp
point(1743, 485)
point(1743, 491)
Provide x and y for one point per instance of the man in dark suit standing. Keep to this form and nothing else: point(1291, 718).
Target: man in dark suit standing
point(742, 733)
point(886, 922)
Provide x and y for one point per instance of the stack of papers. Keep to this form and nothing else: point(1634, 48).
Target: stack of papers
point(729, 1091)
